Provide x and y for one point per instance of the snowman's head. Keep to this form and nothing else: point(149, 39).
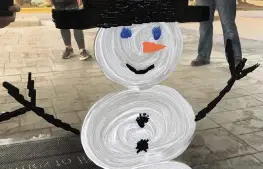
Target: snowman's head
point(139, 55)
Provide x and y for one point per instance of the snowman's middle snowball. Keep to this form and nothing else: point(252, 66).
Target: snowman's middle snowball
point(110, 132)
point(114, 50)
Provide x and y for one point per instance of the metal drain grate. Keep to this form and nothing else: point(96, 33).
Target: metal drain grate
point(63, 153)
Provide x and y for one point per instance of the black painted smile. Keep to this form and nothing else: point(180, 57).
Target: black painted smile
point(140, 71)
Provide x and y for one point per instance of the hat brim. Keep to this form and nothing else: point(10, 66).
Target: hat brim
point(93, 17)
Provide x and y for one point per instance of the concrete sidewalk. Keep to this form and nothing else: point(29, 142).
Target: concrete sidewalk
point(231, 136)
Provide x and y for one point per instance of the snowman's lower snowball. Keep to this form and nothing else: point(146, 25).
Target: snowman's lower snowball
point(166, 165)
point(110, 132)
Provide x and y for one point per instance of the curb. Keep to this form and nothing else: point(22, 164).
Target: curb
point(49, 9)
point(250, 9)
point(35, 10)
point(25, 23)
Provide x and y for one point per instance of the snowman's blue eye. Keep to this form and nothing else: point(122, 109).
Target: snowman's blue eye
point(156, 31)
point(126, 33)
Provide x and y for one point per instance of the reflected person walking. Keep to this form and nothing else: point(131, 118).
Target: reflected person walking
point(227, 14)
point(66, 35)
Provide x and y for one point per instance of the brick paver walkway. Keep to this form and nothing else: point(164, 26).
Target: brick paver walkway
point(230, 137)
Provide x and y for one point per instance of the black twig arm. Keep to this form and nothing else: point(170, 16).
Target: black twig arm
point(8, 115)
point(237, 73)
point(31, 88)
point(31, 106)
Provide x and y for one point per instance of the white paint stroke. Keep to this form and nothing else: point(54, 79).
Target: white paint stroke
point(110, 132)
point(167, 165)
point(113, 53)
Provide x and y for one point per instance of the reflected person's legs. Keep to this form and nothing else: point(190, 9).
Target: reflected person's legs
point(66, 36)
point(206, 35)
point(227, 13)
point(79, 37)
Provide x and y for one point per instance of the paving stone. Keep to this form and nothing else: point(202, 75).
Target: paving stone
point(245, 126)
point(223, 144)
point(88, 104)
point(95, 74)
point(10, 107)
point(66, 67)
point(44, 103)
point(72, 81)
point(82, 115)
point(170, 84)
point(42, 74)
point(259, 156)
point(71, 118)
point(254, 89)
point(13, 65)
point(45, 76)
point(197, 156)
point(25, 70)
point(26, 135)
point(2, 99)
point(198, 140)
point(64, 105)
point(10, 79)
point(104, 88)
point(4, 59)
point(45, 93)
point(237, 93)
point(179, 72)
point(118, 87)
point(1, 71)
point(88, 71)
point(255, 112)
point(84, 90)
point(194, 104)
point(243, 162)
point(207, 81)
point(25, 80)
point(7, 126)
point(31, 121)
point(206, 123)
point(93, 97)
point(229, 116)
point(240, 103)
point(246, 81)
point(217, 109)
point(255, 140)
point(59, 132)
point(193, 93)
point(100, 80)
point(258, 96)
point(64, 91)
point(70, 74)
point(42, 69)
point(12, 71)
point(41, 84)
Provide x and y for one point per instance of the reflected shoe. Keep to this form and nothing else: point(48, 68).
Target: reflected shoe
point(84, 55)
point(198, 62)
point(67, 53)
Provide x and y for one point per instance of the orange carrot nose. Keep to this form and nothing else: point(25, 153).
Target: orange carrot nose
point(149, 47)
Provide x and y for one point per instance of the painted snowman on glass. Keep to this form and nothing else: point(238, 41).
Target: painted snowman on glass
point(147, 125)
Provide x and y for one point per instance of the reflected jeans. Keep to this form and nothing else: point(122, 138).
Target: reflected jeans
point(227, 14)
point(78, 34)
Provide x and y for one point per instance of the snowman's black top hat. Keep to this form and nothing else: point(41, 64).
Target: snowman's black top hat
point(112, 13)
point(4, 5)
